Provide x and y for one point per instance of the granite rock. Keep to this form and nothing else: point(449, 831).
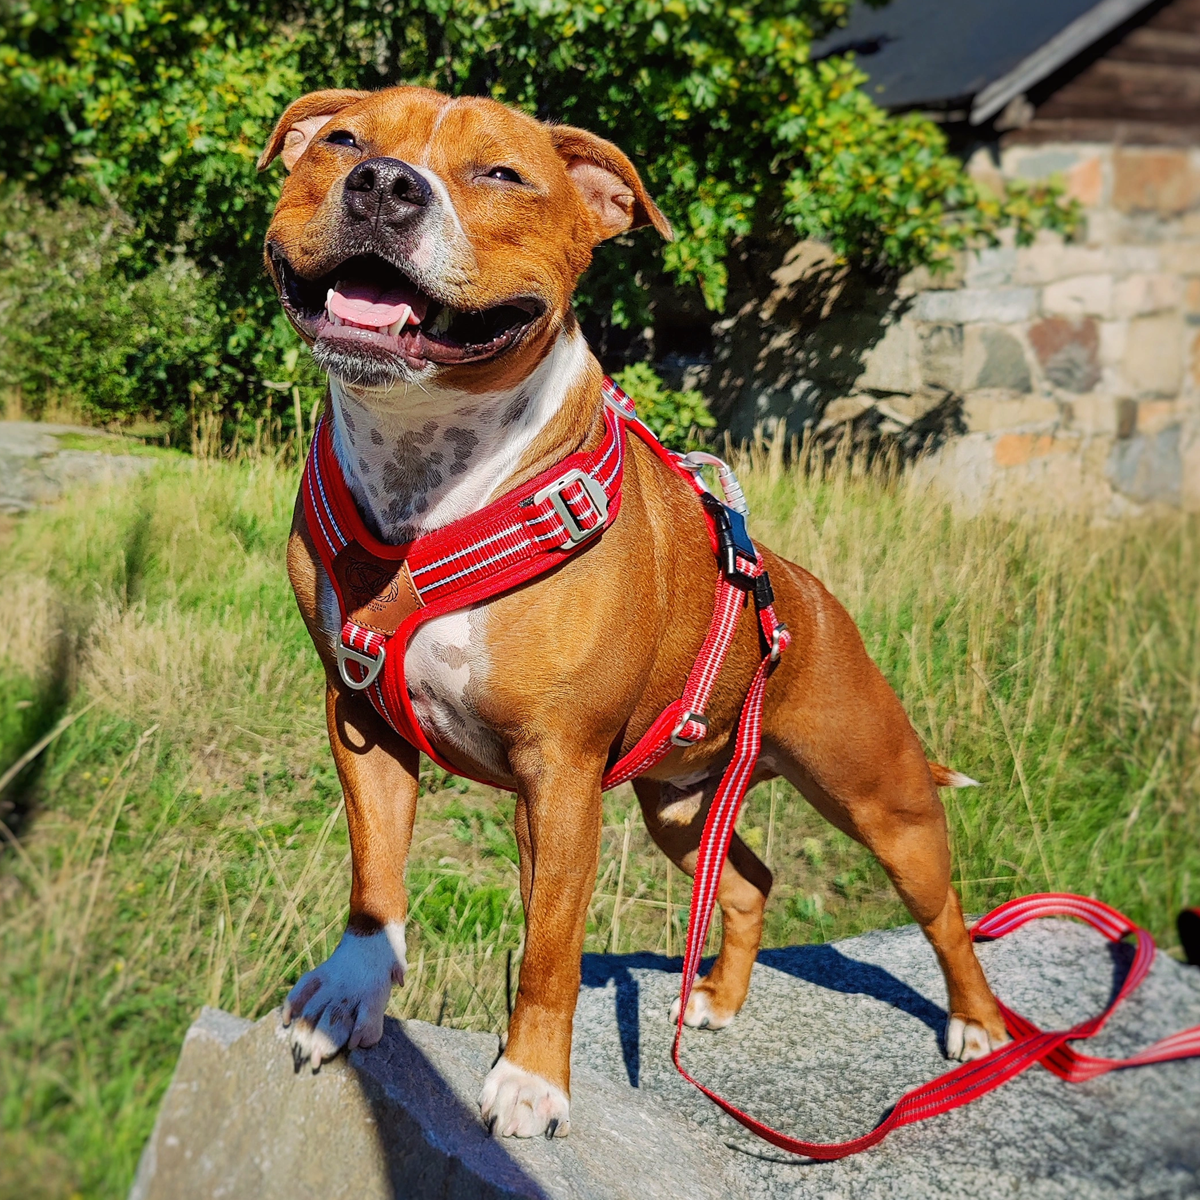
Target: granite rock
point(831, 1036)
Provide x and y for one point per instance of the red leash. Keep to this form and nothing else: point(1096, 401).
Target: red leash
point(971, 1080)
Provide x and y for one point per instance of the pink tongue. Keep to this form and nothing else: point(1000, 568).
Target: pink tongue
point(366, 304)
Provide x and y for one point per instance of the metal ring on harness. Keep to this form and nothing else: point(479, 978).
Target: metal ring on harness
point(372, 666)
point(677, 736)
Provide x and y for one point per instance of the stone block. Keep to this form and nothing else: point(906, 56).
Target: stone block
point(1085, 181)
point(1132, 257)
point(994, 358)
point(1153, 416)
point(1181, 258)
point(941, 353)
point(1017, 449)
point(893, 363)
point(1159, 181)
point(1191, 296)
point(1080, 296)
point(992, 411)
point(991, 267)
point(830, 1037)
point(1003, 306)
point(1153, 362)
point(1095, 413)
point(1050, 259)
point(1140, 295)
point(1194, 359)
point(1190, 497)
point(1068, 352)
point(1149, 468)
point(1112, 341)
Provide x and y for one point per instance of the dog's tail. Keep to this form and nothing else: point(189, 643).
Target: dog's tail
point(945, 777)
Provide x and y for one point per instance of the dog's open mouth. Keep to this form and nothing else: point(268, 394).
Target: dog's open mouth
point(368, 310)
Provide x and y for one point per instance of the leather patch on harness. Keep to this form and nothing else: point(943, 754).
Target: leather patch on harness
point(378, 594)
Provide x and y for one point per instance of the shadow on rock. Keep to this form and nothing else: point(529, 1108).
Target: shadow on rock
point(822, 965)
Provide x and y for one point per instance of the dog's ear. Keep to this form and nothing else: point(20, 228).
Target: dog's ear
point(302, 121)
point(608, 183)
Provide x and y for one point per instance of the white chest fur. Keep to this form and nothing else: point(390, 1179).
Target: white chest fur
point(417, 461)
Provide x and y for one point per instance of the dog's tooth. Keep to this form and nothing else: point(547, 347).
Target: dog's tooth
point(406, 315)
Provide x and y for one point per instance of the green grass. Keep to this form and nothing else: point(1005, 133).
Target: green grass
point(182, 842)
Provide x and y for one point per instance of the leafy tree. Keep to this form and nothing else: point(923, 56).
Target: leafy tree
point(160, 107)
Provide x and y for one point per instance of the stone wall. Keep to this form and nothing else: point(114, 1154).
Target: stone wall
point(1073, 370)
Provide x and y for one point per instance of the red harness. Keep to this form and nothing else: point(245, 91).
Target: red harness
point(385, 592)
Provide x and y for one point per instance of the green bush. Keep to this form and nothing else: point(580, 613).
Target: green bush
point(161, 107)
point(677, 418)
point(75, 326)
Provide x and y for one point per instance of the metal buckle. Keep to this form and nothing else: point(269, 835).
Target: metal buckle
point(595, 493)
point(699, 718)
point(777, 641)
point(373, 665)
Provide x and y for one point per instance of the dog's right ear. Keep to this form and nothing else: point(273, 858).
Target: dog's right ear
point(302, 121)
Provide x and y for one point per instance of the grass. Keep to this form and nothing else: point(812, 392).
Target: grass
point(181, 843)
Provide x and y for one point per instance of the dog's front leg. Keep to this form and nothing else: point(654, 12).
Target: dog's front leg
point(558, 834)
point(342, 1001)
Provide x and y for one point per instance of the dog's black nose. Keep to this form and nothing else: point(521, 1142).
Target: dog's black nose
point(385, 189)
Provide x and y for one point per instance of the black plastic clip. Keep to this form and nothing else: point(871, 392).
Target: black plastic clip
point(733, 542)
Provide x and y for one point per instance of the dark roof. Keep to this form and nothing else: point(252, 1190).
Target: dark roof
point(973, 54)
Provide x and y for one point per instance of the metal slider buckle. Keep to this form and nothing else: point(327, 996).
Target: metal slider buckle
point(373, 666)
point(689, 716)
point(595, 493)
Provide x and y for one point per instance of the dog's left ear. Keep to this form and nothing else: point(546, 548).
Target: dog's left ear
point(302, 121)
point(608, 184)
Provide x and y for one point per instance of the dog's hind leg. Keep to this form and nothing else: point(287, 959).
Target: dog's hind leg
point(836, 731)
point(741, 893)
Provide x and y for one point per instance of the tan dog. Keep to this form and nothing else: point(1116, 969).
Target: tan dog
point(427, 250)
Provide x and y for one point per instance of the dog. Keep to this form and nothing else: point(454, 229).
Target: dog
point(426, 249)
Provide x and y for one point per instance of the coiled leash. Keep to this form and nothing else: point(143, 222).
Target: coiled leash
point(971, 1080)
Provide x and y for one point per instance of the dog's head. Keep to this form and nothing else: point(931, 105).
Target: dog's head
point(420, 238)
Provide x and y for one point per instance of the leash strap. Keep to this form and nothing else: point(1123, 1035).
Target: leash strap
point(971, 1080)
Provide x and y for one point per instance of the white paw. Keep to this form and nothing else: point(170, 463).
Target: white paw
point(700, 1012)
point(517, 1103)
point(343, 1001)
point(966, 1040)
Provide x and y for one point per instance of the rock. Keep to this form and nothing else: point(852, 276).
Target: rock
point(35, 470)
point(1068, 352)
point(831, 1036)
point(1003, 305)
point(1153, 362)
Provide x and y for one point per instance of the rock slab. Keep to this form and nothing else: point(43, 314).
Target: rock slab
point(35, 470)
point(830, 1037)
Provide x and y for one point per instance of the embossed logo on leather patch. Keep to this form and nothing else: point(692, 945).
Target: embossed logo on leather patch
point(371, 583)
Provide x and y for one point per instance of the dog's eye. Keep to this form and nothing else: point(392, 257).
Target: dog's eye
point(341, 137)
point(505, 173)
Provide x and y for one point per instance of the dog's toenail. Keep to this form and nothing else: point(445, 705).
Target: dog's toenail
point(491, 1125)
point(297, 1057)
point(552, 1128)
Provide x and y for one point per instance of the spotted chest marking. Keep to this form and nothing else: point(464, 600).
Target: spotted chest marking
point(418, 460)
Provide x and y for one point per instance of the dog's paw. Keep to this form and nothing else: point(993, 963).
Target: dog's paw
point(702, 1012)
point(966, 1039)
point(342, 1002)
point(517, 1103)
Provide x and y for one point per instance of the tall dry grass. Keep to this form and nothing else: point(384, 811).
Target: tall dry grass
point(182, 841)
